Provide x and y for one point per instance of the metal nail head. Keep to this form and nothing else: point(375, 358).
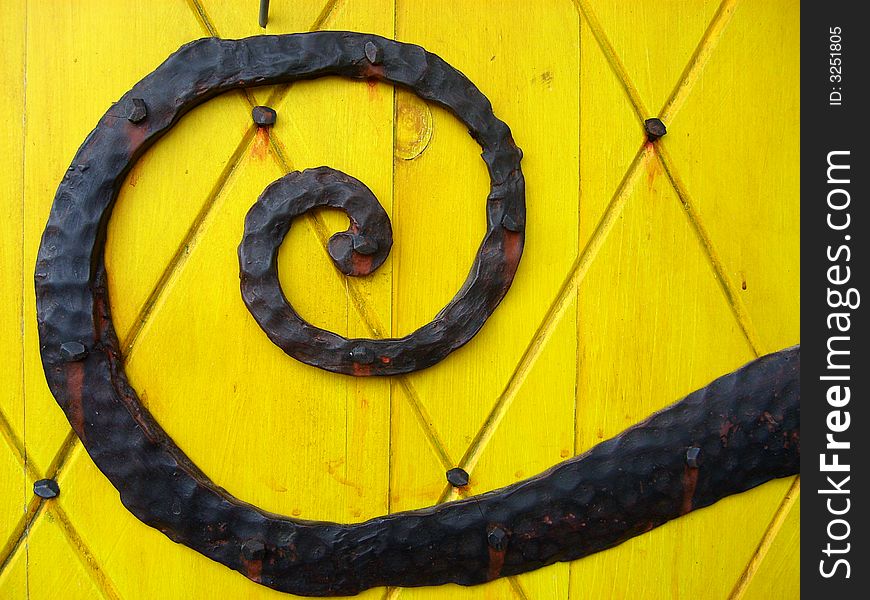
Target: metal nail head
point(692, 455)
point(264, 116)
point(654, 129)
point(46, 488)
point(457, 477)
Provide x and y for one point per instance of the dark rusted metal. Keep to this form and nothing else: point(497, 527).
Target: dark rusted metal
point(365, 245)
point(745, 424)
point(46, 488)
point(457, 477)
point(263, 17)
point(73, 351)
point(654, 129)
point(264, 116)
point(497, 538)
point(137, 110)
point(373, 53)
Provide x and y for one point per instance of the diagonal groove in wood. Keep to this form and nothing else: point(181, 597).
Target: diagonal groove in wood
point(182, 251)
point(179, 258)
point(34, 507)
point(426, 423)
point(767, 540)
point(517, 588)
point(691, 73)
point(728, 287)
point(612, 58)
point(99, 577)
point(15, 444)
point(557, 309)
point(391, 593)
point(699, 59)
point(372, 323)
point(9, 549)
point(325, 15)
point(202, 18)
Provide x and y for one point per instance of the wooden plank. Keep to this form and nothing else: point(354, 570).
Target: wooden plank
point(483, 396)
point(772, 575)
point(13, 482)
point(94, 52)
point(282, 435)
point(655, 321)
point(746, 184)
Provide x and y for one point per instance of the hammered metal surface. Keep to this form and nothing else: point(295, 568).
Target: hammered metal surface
point(745, 425)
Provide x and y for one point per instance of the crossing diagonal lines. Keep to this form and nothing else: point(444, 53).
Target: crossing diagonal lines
point(557, 309)
point(614, 208)
point(646, 152)
point(63, 454)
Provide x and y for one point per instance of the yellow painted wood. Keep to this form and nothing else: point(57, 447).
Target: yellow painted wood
point(490, 388)
point(782, 555)
point(630, 293)
point(91, 70)
point(13, 481)
point(654, 303)
point(78, 579)
point(746, 184)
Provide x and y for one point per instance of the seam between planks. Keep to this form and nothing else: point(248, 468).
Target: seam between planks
point(24, 457)
point(575, 429)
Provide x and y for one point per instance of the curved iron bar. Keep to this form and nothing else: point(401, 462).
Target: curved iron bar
point(738, 432)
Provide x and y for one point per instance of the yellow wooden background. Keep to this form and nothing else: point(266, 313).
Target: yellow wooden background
point(647, 273)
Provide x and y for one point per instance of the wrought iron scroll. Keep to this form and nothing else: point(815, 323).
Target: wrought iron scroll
point(738, 432)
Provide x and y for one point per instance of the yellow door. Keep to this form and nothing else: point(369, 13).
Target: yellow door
point(648, 271)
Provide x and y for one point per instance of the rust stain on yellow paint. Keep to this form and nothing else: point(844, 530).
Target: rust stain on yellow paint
point(640, 259)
